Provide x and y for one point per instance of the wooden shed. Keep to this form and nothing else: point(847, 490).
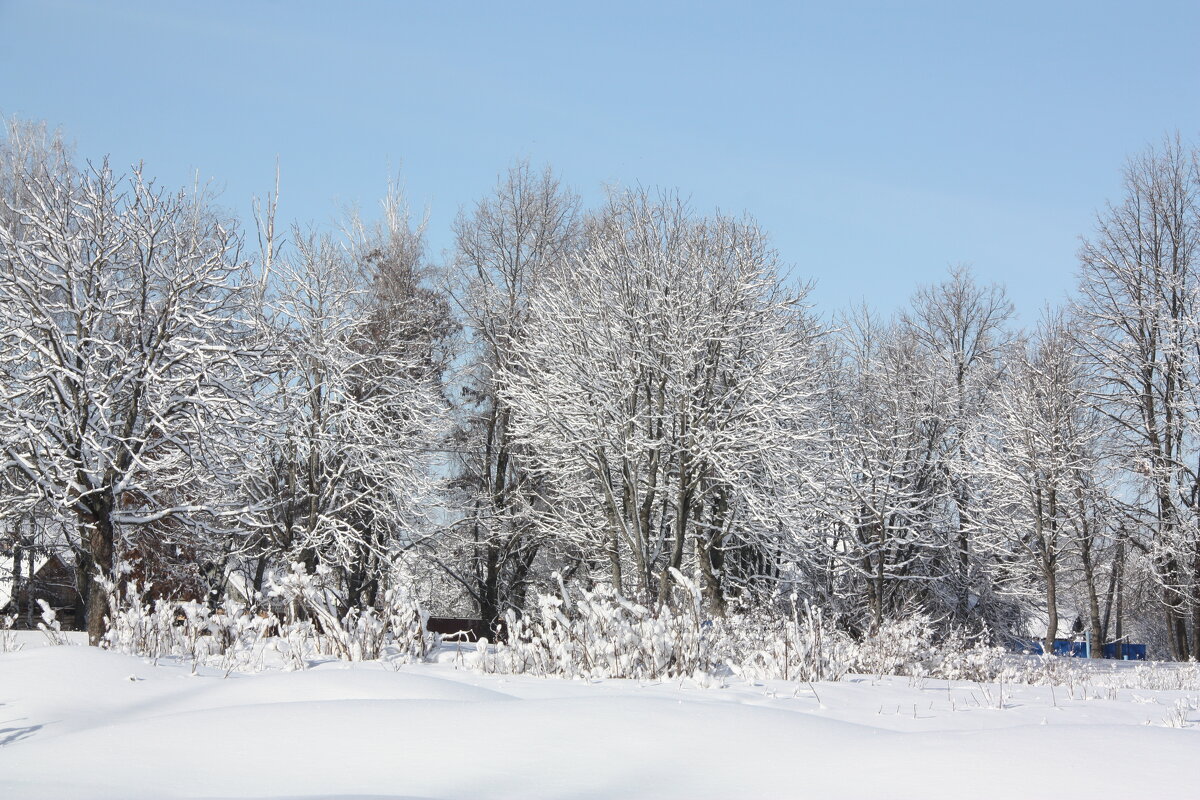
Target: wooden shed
point(45, 576)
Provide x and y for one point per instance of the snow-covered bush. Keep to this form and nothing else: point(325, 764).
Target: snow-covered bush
point(50, 625)
point(360, 634)
point(591, 634)
point(8, 639)
point(599, 634)
point(138, 626)
point(800, 645)
point(900, 647)
point(958, 658)
point(1101, 675)
point(232, 637)
point(1155, 675)
point(226, 638)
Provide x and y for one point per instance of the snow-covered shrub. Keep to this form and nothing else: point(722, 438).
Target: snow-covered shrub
point(800, 645)
point(958, 658)
point(360, 634)
point(1044, 670)
point(137, 626)
point(599, 634)
point(1106, 675)
point(954, 660)
point(50, 625)
point(296, 642)
point(8, 637)
point(236, 635)
point(900, 647)
point(233, 637)
point(406, 623)
point(1177, 677)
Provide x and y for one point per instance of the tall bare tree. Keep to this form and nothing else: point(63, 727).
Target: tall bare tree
point(883, 483)
point(1138, 292)
point(122, 310)
point(504, 249)
point(352, 405)
point(961, 325)
point(1035, 452)
point(664, 384)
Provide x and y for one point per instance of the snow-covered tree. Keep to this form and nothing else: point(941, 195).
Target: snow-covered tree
point(664, 384)
point(961, 326)
point(352, 409)
point(884, 491)
point(504, 248)
point(1138, 306)
point(1034, 455)
point(122, 317)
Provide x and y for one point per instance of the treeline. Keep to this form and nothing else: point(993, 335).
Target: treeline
point(620, 395)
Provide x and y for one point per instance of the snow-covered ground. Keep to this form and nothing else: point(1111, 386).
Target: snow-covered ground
point(76, 722)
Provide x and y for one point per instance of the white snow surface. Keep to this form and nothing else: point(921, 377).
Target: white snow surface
point(77, 722)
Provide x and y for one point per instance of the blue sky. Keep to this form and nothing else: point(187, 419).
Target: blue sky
point(877, 142)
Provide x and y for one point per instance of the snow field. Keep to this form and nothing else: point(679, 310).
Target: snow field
point(77, 722)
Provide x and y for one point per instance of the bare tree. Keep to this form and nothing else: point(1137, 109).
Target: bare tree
point(504, 249)
point(121, 301)
point(1138, 290)
point(352, 406)
point(962, 325)
point(883, 485)
point(663, 383)
point(1036, 453)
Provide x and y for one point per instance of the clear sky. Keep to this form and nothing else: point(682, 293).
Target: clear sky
point(877, 142)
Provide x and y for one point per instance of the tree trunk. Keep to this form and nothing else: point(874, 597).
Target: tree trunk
point(683, 509)
point(100, 549)
point(1118, 633)
point(1112, 587)
point(964, 571)
point(880, 574)
point(614, 559)
point(83, 585)
point(260, 571)
point(714, 598)
point(489, 592)
point(1195, 606)
point(16, 575)
point(1176, 629)
point(1096, 650)
point(1176, 623)
point(707, 557)
point(1051, 608)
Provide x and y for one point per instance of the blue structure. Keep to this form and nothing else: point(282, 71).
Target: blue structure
point(1065, 647)
point(1062, 647)
point(1129, 652)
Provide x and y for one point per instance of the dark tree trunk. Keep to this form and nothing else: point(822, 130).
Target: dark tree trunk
point(1195, 606)
point(489, 592)
point(260, 571)
point(1119, 633)
point(83, 586)
point(1175, 620)
point(16, 576)
point(708, 546)
point(100, 542)
point(614, 559)
point(1097, 647)
point(1106, 625)
point(714, 597)
point(1051, 609)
